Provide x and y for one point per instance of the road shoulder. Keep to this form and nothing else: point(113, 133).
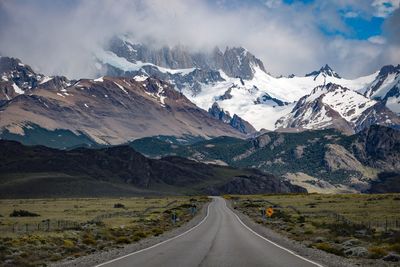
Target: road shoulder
point(316, 255)
point(107, 255)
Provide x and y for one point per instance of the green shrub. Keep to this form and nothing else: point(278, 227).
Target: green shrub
point(119, 206)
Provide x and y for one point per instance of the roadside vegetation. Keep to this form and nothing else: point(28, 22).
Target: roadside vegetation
point(34, 232)
point(350, 225)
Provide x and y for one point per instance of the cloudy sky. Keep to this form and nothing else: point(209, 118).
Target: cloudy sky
point(355, 37)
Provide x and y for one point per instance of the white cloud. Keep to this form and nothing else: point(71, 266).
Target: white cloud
point(351, 14)
point(273, 3)
point(384, 8)
point(59, 40)
point(377, 40)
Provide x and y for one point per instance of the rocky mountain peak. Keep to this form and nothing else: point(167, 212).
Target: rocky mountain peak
point(389, 69)
point(236, 122)
point(324, 71)
point(234, 61)
point(218, 113)
point(20, 76)
point(238, 62)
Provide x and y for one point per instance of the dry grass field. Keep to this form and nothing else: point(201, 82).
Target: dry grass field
point(36, 231)
point(350, 225)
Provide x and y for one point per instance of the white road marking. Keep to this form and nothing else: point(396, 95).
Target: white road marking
point(158, 244)
point(273, 243)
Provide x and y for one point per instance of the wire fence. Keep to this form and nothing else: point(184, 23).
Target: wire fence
point(385, 224)
point(49, 225)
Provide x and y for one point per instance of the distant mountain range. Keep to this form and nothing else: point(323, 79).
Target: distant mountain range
point(324, 161)
point(239, 83)
point(321, 132)
point(174, 91)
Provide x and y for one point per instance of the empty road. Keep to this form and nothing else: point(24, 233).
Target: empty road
point(221, 239)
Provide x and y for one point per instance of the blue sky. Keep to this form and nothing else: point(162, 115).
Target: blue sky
point(362, 19)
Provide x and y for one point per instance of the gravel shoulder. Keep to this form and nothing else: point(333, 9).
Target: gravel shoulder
point(319, 256)
point(107, 255)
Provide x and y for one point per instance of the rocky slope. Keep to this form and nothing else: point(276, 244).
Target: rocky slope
point(38, 171)
point(235, 121)
point(334, 106)
point(108, 110)
point(386, 87)
point(321, 161)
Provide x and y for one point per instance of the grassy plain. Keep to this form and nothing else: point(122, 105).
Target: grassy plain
point(73, 227)
point(350, 225)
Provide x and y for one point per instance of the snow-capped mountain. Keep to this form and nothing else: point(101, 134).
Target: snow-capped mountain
point(324, 72)
point(334, 106)
point(109, 110)
point(234, 79)
point(386, 87)
point(17, 78)
point(232, 82)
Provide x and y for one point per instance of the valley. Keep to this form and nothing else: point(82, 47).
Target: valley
point(200, 133)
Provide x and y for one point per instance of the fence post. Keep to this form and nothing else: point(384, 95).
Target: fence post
point(386, 224)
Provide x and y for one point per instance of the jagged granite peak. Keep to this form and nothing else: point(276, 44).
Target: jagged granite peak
point(324, 108)
point(242, 125)
point(218, 113)
point(236, 122)
point(234, 61)
point(177, 57)
point(324, 71)
point(238, 62)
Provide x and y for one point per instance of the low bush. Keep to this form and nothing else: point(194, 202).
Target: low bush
point(119, 206)
point(157, 231)
point(68, 243)
point(377, 252)
point(23, 213)
point(123, 240)
point(328, 248)
point(88, 239)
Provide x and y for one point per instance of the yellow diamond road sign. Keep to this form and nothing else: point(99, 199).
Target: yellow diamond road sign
point(269, 212)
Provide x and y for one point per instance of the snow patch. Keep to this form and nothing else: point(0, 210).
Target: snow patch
point(46, 79)
point(121, 87)
point(140, 78)
point(17, 89)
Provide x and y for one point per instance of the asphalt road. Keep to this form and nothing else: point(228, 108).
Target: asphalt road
point(221, 239)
